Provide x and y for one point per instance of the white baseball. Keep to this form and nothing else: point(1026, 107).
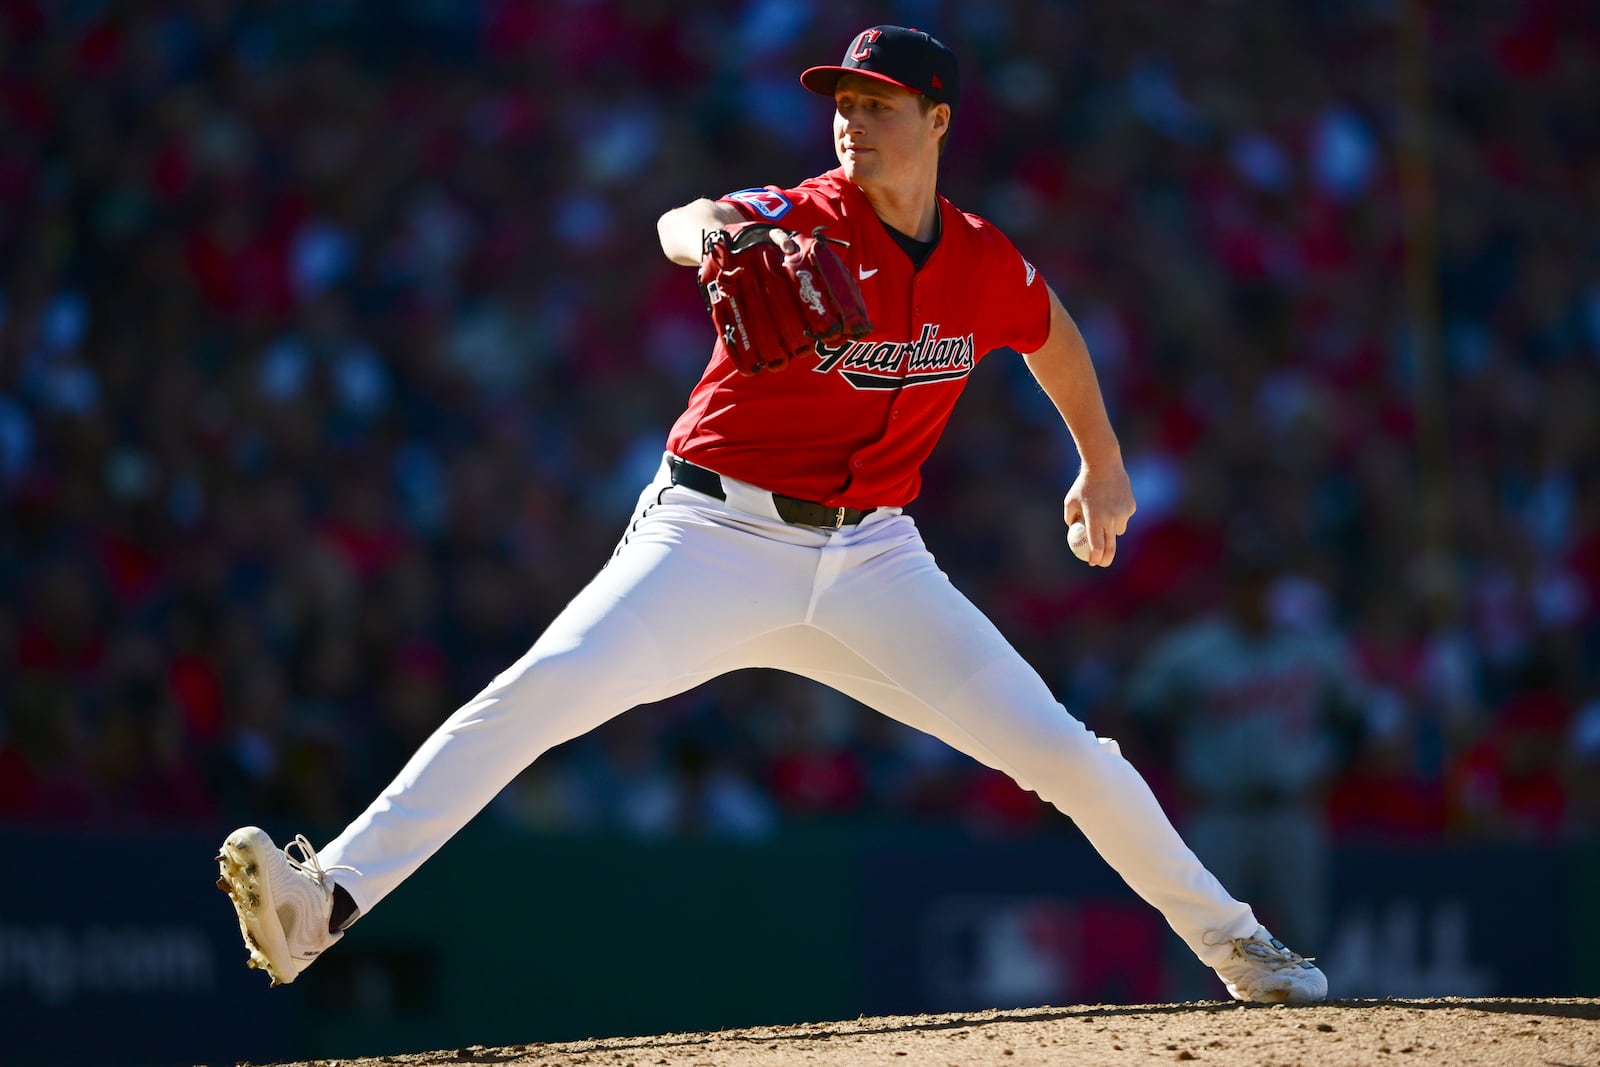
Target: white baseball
point(1078, 540)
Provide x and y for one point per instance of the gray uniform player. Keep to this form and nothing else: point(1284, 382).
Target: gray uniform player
point(1256, 712)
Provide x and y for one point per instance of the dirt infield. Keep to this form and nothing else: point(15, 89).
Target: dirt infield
point(1557, 1033)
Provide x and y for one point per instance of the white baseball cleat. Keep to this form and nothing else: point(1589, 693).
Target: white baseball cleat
point(283, 902)
point(1263, 969)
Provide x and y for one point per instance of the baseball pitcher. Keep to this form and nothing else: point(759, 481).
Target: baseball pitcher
point(850, 310)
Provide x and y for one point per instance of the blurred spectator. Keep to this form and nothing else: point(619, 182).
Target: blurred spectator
point(1511, 781)
point(1385, 794)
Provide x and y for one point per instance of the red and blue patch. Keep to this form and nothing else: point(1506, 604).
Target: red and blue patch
point(768, 203)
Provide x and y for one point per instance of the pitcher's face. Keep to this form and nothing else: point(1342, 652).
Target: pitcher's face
point(881, 133)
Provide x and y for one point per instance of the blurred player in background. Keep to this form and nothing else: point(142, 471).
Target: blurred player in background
point(1259, 711)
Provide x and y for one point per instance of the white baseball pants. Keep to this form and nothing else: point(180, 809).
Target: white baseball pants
point(699, 587)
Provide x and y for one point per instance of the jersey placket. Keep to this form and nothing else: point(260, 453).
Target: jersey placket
point(903, 295)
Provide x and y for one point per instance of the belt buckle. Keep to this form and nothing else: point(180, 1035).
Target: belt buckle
point(838, 517)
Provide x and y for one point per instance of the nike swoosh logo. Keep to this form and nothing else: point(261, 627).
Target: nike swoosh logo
point(864, 273)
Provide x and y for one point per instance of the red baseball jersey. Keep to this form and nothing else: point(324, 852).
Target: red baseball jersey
point(850, 424)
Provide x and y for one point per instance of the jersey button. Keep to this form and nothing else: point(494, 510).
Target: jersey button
point(856, 464)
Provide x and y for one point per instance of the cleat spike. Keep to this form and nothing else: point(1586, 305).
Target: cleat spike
point(282, 901)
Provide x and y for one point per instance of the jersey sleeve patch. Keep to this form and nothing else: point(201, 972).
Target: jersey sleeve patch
point(768, 203)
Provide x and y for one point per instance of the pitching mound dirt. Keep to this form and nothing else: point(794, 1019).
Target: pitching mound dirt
point(1340, 1034)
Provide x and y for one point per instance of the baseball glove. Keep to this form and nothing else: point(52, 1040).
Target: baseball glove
point(768, 305)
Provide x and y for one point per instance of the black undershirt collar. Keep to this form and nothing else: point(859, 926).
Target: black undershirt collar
point(919, 251)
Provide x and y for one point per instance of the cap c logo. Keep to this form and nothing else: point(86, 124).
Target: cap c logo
point(863, 48)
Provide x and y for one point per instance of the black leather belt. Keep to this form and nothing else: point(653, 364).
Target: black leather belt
point(790, 509)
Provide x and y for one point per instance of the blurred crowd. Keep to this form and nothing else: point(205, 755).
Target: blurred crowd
point(335, 344)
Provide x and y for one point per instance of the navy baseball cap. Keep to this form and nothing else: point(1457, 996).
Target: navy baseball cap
point(908, 58)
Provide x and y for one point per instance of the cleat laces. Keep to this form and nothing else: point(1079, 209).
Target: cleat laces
point(1273, 953)
point(309, 865)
